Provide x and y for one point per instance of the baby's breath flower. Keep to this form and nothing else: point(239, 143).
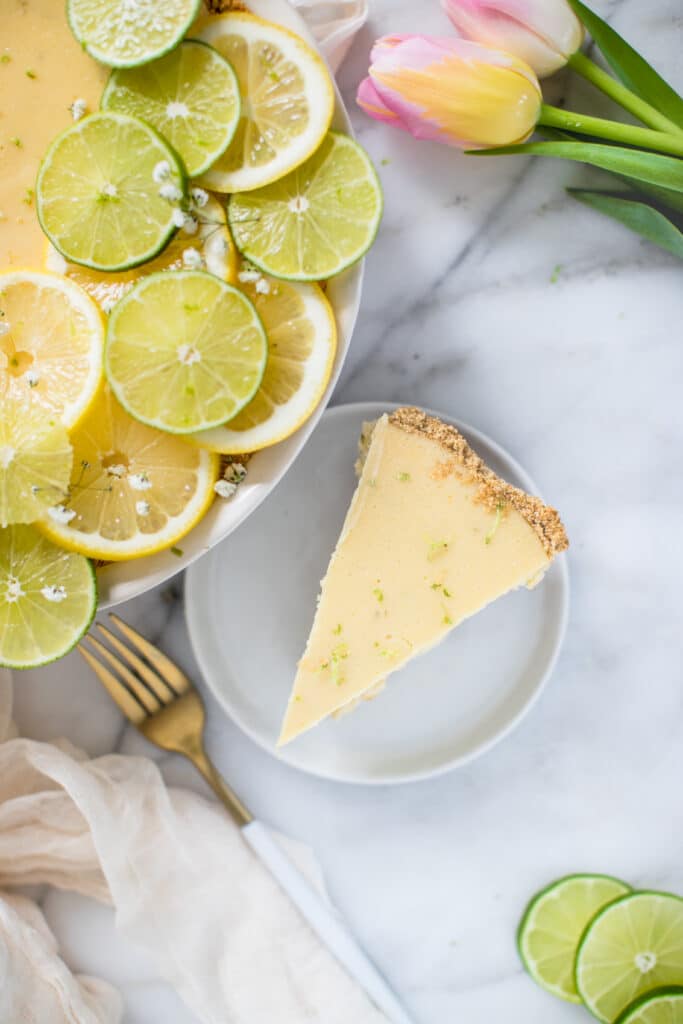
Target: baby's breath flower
point(78, 109)
point(143, 508)
point(192, 259)
point(224, 489)
point(61, 514)
point(171, 192)
point(199, 197)
point(162, 172)
point(178, 217)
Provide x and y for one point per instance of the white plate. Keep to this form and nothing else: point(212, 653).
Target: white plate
point(250, 605)
point(125, 580)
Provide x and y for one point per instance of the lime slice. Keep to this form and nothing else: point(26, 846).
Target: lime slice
point(35, 462)
point(210, 248)
point(632, 947)
point(51, 339)
point(288, 101)
point(662, 1007)
point(553, 924)
point(184, 351)
point(316, 221)
point(109, 192)
point(48, 598)
point(191, 96)
point(302, 341)
point(134, 490)
point(126, 33)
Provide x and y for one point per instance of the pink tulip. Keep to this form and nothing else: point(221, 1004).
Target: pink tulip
point(452, 91)
point(544, 33)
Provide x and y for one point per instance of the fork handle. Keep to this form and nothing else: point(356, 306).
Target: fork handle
point(225, 794)
point(325, 921)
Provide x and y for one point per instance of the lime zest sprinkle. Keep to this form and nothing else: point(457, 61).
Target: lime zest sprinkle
point(30, 73)
point(337, 630)
point(436, 548)
point(447, 620)
point(494, 529)
point(298, 699)
point(28, 196)
point(16, 141)
point(379, 594)
point(178, 552)
point(5, 58)
point(444, 589)
point(403, 477)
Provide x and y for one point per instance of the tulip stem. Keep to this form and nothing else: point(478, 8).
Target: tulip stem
point(627, 99)
point(614, 131)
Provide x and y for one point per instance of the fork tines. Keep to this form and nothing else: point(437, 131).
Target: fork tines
point(143, 681)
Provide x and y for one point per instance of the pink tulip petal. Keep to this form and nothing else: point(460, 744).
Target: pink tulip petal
point(372, 103)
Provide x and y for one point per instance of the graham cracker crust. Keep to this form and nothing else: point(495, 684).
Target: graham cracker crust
point(493, 491)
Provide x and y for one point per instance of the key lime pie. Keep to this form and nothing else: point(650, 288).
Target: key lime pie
point(432, 536)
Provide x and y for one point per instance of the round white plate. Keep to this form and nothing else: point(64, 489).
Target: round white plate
point(250, 604)
point(124, 580)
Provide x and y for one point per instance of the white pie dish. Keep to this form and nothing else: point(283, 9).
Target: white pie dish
point(248, 628)
point(124, 580)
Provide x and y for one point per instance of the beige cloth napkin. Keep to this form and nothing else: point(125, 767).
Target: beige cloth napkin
point(184, 885)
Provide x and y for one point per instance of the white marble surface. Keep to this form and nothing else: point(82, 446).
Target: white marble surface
point(581, 380)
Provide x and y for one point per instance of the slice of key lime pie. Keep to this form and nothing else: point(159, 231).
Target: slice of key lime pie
point(432, 536)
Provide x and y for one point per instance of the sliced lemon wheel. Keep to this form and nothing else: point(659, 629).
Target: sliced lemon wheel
point(287, 101)
point(35, 463)
point(191, 96)
point(134, 490)
point(51, 340)
point(211, 249)
point(316, 221)
point(48, 598)
point(109, 192)
point(126, 33)
point(184, 351)
point(302, 341)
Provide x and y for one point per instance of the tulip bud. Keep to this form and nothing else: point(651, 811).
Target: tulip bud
point(452, 91)
point(544, 33)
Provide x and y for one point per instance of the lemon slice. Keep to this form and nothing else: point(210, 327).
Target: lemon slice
point(125, 33)
point(109, 192)
point(302, 341)
point(48, 598)
point(51, 339)
point(134, 490)
point(184, 351)
point(211, 248)
point(287, 101)
point(35, 462)
point(191, 96)
point(316, 221)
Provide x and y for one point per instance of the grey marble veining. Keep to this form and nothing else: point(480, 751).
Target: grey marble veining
point(494, 296)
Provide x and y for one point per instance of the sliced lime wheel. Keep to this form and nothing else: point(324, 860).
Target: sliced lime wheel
point(109, 192)
point(317, 220)
point(185, 351)
point(48, 598)
point(191, 96)
point(35, 463)
point(662, 1007)
point(553, 924)
point(126, 33)
point(631, 948)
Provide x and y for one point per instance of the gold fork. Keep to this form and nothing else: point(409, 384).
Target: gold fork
point(164, 706)
point(160, 701)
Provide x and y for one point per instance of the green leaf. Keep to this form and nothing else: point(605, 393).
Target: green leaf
point(636, 215)
point(633, 70)
point(664, 196)
point(653, 168)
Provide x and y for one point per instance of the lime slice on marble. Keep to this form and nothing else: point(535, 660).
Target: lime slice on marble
point(127, 33)
point(48, 598)
point(633, 947)
point(317, 220)
point(191, 96)
point(553, 924)
point(662, 1007)
point(109, 192)
point(185, 351)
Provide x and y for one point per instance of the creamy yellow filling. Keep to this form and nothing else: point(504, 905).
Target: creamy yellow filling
point(43, 73)
point(418, 553)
